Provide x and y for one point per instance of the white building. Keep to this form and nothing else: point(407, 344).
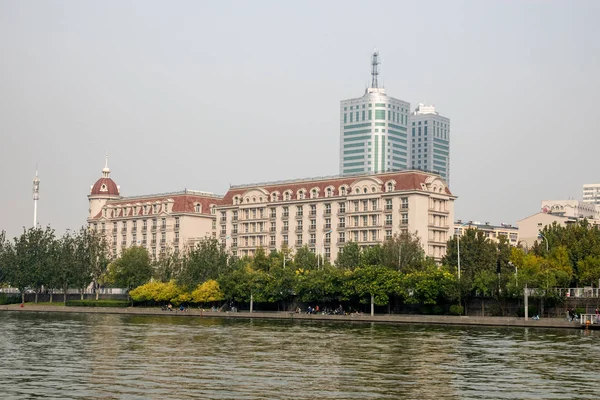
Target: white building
point(373, 131)
point(493, 232)
point(570, 208)
point(326, 213)
point(562, 212)
point(430, 141)
point(158, 222)
point(591, 193)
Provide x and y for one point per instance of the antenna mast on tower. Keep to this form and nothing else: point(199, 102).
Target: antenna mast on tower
point(36, 197)
point(374, 69)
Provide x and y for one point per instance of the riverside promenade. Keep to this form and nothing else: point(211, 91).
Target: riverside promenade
point(406, 319)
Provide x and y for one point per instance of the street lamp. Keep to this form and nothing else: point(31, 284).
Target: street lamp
point(541, 235)
point(323, 245)
point(458, 244)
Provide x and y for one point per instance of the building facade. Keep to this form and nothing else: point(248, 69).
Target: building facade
point(570, 208)
point(591, 193)
point(430, 141)
point(493, 232)
point(159, 222)
point(327, 213)
point(374, 131)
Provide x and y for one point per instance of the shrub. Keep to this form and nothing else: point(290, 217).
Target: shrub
point(437, 310)
point(579, 310)
point(494, 310)
point(532, 310)
point(98, 303)
point(456, 309)
point(6, 299)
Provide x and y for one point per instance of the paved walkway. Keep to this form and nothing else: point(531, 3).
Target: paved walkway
point(380, 318)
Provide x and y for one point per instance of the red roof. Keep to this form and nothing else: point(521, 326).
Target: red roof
point(182, 203)
point(105, 186)
point(404, 181)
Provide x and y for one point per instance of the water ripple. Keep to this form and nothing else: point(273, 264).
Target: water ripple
point(70, 356)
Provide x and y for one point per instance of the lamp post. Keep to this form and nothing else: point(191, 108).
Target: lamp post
point(323, 245)
point(458, 245)
point(541, 235)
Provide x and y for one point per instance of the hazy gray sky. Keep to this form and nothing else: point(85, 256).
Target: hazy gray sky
point(202, 94)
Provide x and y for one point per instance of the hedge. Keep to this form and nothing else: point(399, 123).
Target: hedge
point(98, 303)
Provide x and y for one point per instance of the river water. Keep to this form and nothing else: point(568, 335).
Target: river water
point(91, 356)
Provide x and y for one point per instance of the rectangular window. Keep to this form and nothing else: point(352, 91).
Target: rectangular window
point(328, 209)
point(380, 114)
point(286, 212)
point(365, 236)
point(313, 224)
point(342, 223)
point(342, 208)
point(405, 218)
point(313, 238)
point(370, 114)
point(327, 223)
point(404, 202)
point(388, 204)
point(342, 237)
point(356, 206)
point(388, 219)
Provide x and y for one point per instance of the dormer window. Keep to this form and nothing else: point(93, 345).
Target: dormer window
point(314, 193)
point(155, 208)
point(389, 187)
point(197, 207)
point(301, 194)
point(213, 209)
point(328, 192)
point(274, 197)
point(287, 195)
point(343, 191)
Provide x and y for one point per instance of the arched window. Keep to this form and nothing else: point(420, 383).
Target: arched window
point(301, 194)
point(389, 187)
point(343, 191)
point(314, 194)
point(287, 195)
point(197, 207)
point(328, 192)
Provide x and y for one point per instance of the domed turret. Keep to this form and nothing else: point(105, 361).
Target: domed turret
point(103, 190)
point(105, 185)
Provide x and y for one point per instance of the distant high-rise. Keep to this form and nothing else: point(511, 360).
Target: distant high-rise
point(374, 130)
point(430, 141)
point(591, 193)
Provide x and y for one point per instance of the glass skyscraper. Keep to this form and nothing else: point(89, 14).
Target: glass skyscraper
point(374, 131)
point(430, 141)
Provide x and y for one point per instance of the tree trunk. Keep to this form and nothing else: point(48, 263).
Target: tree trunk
point(36, 297)
point(65, 297)
point(372, 305)
point(22, 296)
point(482, 307)
point(51, 293)
point(82, 294)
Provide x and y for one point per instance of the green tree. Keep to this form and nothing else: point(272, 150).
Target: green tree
point(168, 266)
point(207, 260)
point(589, 270)
point(349, 256)
point(404, 253)
point(305, 259)
point(375, 284)
point(131, 269)
point(372, 255)
point(430, 286)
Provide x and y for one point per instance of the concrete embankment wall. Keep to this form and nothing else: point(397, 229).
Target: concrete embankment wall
point(358, 318)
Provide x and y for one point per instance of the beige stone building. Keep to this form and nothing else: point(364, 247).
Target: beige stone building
point(493, 232)
point(323, 213)
point(157, 222)
point(326, 213)
point(563, 212)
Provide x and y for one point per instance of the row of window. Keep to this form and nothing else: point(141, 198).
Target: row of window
point(314, 193)
point(354, 221)
point(392, 106)
point(372, 235)
point(355, 206)
point(134, 225)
